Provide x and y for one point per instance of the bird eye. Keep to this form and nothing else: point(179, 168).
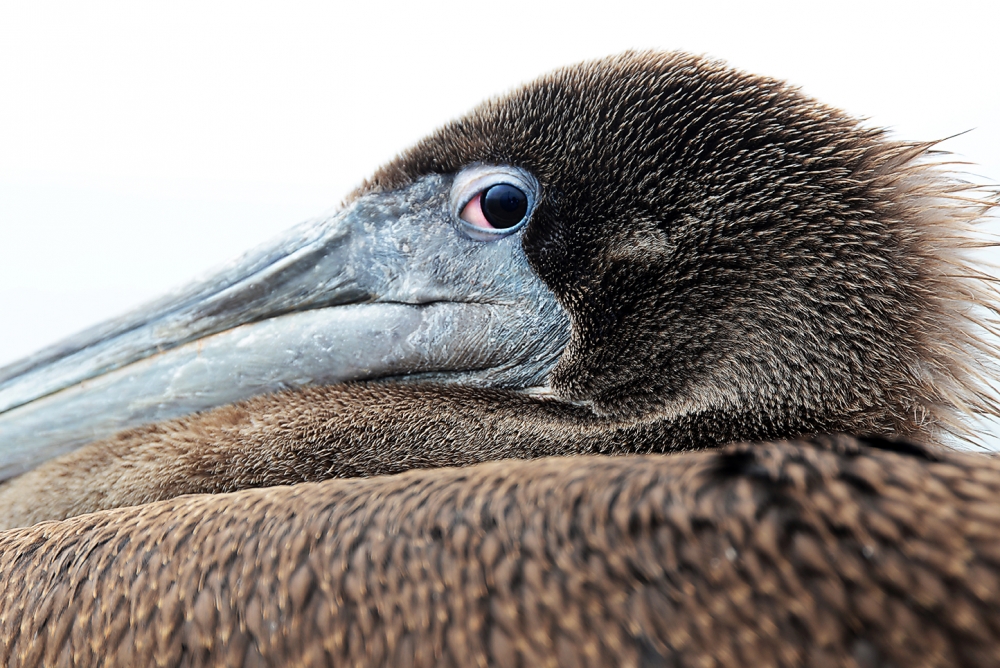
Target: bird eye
point(499, 207)
point(493, 201)
point(504, 206)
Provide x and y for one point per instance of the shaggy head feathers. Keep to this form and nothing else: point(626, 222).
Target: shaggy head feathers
point(727, 246)
point(739, 263)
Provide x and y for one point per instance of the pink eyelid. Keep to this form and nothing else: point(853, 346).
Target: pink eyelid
point(473, 213)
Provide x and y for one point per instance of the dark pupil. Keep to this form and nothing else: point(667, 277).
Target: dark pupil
point(504, 206)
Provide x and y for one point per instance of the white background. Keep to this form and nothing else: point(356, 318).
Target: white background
point(142, 143)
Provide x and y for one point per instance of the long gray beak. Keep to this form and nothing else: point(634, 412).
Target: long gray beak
point(387, 288)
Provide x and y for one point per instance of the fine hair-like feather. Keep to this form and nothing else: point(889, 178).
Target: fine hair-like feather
point(739, 262)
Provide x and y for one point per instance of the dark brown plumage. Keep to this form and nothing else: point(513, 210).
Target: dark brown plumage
point(739, 263)
point(788, 554)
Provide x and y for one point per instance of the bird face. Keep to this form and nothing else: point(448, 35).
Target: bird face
point(653, 237)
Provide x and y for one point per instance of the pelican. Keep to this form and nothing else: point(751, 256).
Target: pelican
point(648, 362)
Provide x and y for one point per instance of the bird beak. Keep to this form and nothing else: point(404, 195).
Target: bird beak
point(389, 287)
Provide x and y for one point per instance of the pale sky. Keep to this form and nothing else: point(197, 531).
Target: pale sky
point(144, 143)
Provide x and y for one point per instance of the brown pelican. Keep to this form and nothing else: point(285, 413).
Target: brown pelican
point(644, 254)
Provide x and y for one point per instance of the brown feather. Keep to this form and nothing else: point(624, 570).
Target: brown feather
point(834, 553)
point(739, 262)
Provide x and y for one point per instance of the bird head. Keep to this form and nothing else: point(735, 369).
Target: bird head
point(650, 238)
